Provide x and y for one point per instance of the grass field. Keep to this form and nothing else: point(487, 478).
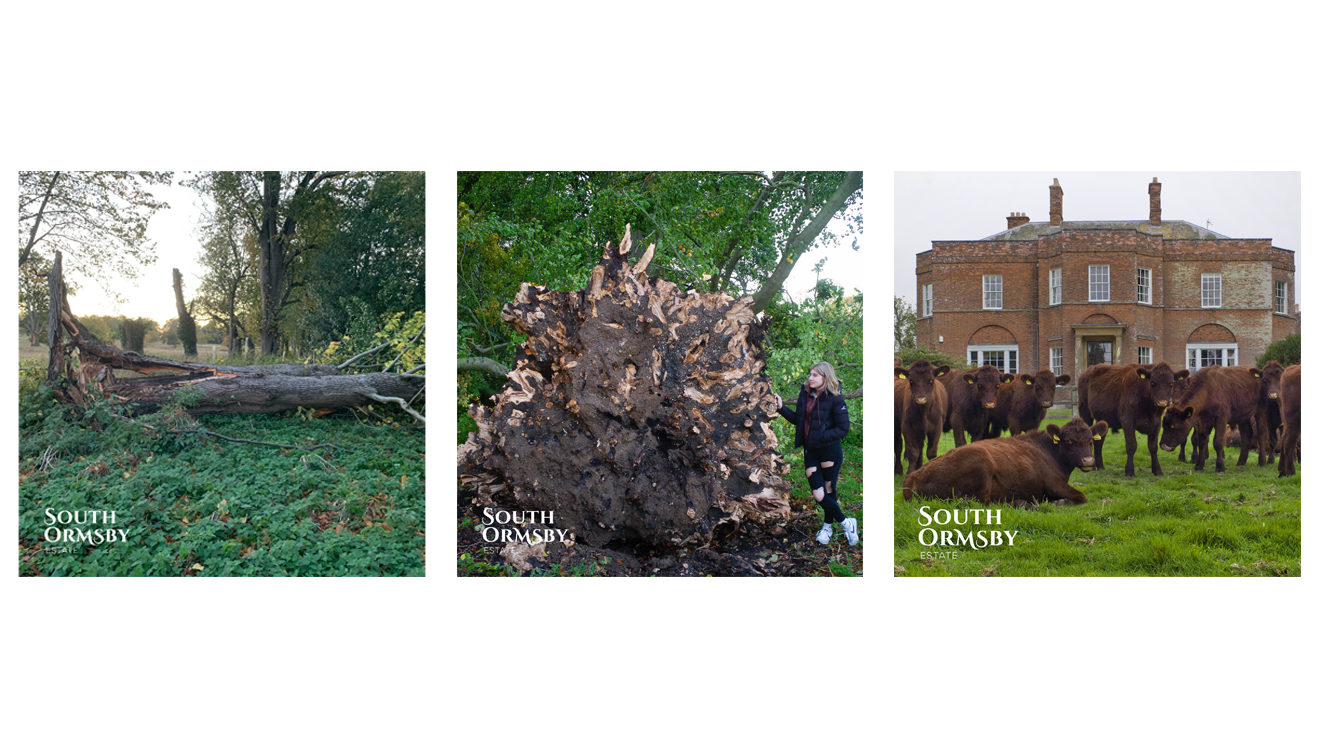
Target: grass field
point(28, 353)
point(1244, 522)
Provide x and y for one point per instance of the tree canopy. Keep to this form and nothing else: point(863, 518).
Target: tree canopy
point(737, 232)
point(98, 219)
point(301, 259)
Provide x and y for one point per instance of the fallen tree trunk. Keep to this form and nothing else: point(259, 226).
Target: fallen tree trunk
point(209, 388)
point(637, 413)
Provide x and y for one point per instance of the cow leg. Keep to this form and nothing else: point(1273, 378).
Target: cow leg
point(898, 453)
point(913, 447)
point(1059, 490)
point(1288, 446)
point(1130, 443)
point(1098, 450)
point(957, 423)
point(1153, 444)
point(1200, 448)
point(1264, 443)
point(1221, 435)
point(933, 442)
point(1247, 437)
point(1182, 451)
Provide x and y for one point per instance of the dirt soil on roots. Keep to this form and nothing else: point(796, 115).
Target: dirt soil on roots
point(788, 550)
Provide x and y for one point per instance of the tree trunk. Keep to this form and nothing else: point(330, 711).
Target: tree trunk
point(58, 363)
point(637, 413)
point(271, 263)
point(211, 389)
point(187, 326)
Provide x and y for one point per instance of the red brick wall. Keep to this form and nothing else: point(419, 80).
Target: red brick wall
point(1248, 268)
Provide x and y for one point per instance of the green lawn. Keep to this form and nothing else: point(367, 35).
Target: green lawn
point(1245, 522)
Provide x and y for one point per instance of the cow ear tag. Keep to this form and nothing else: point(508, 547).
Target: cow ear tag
point(1055, 437)
point(1255, 374)
point(1095, 438)
point(902, 376)
point(1143, 376)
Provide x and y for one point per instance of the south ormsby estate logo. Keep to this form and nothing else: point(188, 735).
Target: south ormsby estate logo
point(951, 529)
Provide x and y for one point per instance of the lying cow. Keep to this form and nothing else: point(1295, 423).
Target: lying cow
point(1216, 396)
point(1024, 469)
point(919, 405)
point(1290, 407)
point(1131, 398)
point(1020, 405)
point(972, 394)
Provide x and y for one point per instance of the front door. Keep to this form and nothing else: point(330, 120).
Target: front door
point(1099, 352)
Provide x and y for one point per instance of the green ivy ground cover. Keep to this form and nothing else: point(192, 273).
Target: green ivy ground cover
point(189, 505)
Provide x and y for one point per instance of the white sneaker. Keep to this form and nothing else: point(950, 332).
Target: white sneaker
point(850, 530)
point(826, 532)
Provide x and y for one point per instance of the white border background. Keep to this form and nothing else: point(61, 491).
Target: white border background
point(1030, 86)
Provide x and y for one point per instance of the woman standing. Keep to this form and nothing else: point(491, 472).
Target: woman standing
point(821, 419)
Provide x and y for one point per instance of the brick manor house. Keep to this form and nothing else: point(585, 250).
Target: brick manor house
point(1067, 294)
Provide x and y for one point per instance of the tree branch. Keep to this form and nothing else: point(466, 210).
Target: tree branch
point(481, 363)
point(397, 401)
point(799, 243)
point(734, 251)
point(36, 221)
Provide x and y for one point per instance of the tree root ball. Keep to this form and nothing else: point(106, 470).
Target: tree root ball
point(637, 413)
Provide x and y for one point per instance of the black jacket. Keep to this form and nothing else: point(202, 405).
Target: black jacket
point(829, 420)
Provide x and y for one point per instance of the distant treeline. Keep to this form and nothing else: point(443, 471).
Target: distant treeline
point(135, 334)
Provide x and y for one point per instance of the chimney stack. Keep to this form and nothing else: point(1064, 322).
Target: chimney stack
point(1154, 190)
point(1056, 203)
point(1017, 219)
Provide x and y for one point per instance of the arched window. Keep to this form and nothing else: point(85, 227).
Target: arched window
point(1211, 345)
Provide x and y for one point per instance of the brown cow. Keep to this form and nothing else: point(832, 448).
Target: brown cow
point(1024, 469)
point(1216, 396)
point(1268, 418)
point(1131, 398)
point(919, 405)
point(1021, 404)
point(972, 393)
point(1290, 406)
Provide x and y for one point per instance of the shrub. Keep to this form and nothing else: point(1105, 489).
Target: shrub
point(909, 355)
point(1286, 351)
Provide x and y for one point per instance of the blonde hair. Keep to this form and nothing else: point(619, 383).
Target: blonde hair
point(826, 372)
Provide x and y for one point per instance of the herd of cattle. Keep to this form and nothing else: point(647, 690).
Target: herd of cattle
point(1263, 405)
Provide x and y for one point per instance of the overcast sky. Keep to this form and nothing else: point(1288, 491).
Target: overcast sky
point(932, 206)
point(152, 295)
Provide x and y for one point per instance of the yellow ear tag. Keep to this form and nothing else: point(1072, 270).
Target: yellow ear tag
point(902, 376)
point(1096, 438)
point(1055, 438)
point(1255, 374)
point(1143, 376)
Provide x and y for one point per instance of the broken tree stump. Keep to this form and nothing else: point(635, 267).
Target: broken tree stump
point(638, 413)
point(213, 389)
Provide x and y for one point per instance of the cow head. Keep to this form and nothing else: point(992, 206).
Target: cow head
point(1040, 386)
point(1268, 380)
point(921, 379)
point(1073, 443)
point(1177, 424)
point(1159, 380)
point(985, 383)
